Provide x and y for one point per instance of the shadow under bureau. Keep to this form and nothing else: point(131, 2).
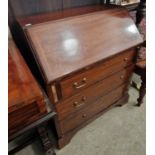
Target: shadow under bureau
point(86, 57)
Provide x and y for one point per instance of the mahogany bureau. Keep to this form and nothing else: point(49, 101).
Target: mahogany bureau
point(86, 58)
point(26, 100)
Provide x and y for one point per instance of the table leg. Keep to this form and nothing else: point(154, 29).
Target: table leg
point(142, 92)
point(47, 144)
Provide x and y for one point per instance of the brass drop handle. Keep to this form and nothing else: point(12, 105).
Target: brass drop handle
point(84, 115)
point(81, 84)
point(79, 104)
point(125, 59)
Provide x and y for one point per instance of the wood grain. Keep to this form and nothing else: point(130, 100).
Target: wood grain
point(101, 71)
point(80, 117)
point(91, 49)
point(87, 96)
point(23, 88)
point(64, 46)
point(26, 100)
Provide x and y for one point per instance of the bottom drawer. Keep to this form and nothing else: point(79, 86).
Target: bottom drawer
point(73, 121)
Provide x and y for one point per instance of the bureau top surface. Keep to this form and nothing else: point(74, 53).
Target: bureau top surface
point(22, 87)
point(68, 44)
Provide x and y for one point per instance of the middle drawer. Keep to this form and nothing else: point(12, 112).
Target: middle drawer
point(90, 94)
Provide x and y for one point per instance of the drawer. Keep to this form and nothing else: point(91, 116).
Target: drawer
point(87, 96)
point(80, 81)
point(85, 114)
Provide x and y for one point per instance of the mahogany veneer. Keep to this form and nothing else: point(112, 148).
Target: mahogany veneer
point(26, 100)
point(87, 96)
point(86, 57)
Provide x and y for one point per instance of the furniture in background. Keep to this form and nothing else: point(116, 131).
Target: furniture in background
point(141, 70)
point(28, 106)
point(77, 58)
point(137, 10)
point(141, 60)
point(141, 11)
point(131, 5)
point(26, 101)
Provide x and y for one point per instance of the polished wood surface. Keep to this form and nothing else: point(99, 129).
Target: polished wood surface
point(63, 46)
point(26, 100)
point(23, 88)
point(83, 57)
point(20, 8)
point(100, 71)
point(87, 96)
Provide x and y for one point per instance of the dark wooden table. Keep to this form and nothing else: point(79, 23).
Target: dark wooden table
point(29, 108)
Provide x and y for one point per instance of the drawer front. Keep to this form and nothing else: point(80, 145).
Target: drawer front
point(85, 114)
point(82, 80)
point(87, 96)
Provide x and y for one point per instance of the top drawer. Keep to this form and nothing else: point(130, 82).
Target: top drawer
point(79, 81)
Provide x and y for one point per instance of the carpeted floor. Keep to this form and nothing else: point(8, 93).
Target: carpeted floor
point(120, 131)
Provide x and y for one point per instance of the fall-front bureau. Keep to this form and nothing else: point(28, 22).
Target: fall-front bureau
point(86, 58)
